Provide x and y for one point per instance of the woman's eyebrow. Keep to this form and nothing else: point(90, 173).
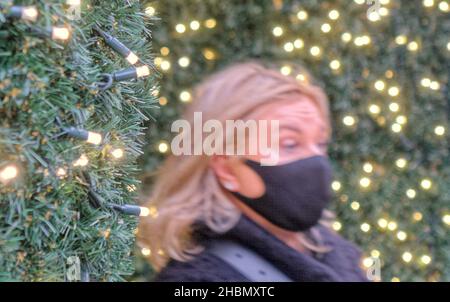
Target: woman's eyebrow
point(290, 127)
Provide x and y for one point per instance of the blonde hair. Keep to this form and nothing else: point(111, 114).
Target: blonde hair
point(186, 189)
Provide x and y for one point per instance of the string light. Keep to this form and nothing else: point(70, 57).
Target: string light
point(346, 37)
point(333, 14)
point(413, 46)
point(401, 119)
point(289, 47)
point(394, 107)
point(163, 147)
point(301, 77)
point(425, 259)
point(61, 172)
point(81, 162)
point(88, 136)
point(286, 70)
point(210, 23)
point(8, 173)
point(362, 40)
point(439, 130)
point(336, 185)
point(382, 223)
point(209, 54)
point(117, 153)
point(417, 216)
point(335, 64)
point(150, 11)
point(315, 51)
point(374, 109)
point(428, 3)
point(146, 252)
point(374, 16)
point(375, 253)
point(379, 85)
point(365, 227)
point(392, 226)
point(26, 13)
point(401, 235)
point(180, 28)
point(337, 226)
point(163, 101)
point(407, 257)
point(165, 65)
point(401, 163)
point(355, 205)
point(411, 193)
point(396, 128)
point(426, 184)
point(389, 74)
point(368, 168)
point(401, 40)
point(349, 121)
point(443, 6)
point(118, 46)
point(298, 43)
point(184, 62)
point(326, 28)
point(277, 31)
point(60, 33)
point(365, 182)
point(185, 96)
point(434, 85)
point(446, 219)
point(302, 15)
point(425, 82)
point(368, 262)
point(194, 25)
point(394, 91)
point(165, 51)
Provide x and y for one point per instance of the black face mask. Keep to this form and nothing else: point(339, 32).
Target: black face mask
point(296, 193)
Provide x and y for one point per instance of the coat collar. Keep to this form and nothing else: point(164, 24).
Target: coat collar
point(341, 263)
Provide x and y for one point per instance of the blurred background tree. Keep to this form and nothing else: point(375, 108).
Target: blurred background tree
point(68, 144)
point(386, 70)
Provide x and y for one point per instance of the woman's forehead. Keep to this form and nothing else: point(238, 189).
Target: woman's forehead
point(302, 107)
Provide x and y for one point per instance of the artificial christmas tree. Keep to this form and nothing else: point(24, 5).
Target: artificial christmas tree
point(385, 67)
point(76, 83)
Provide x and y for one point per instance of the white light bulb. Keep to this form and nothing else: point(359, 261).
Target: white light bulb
point(60, 33)
point(117, 153)
point(142, 71)
point(94, 138)
point(29, 13)
point(132, 58)
point(8, 173)
point(82, 161)
point(144, 212)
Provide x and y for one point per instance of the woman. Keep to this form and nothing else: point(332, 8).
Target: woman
point(229, 218)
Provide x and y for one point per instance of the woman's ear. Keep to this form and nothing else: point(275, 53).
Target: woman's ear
point(222, 167)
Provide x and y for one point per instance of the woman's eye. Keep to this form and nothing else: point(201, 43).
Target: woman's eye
point(290, 144)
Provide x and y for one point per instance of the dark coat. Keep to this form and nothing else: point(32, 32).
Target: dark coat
point(340, 264)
